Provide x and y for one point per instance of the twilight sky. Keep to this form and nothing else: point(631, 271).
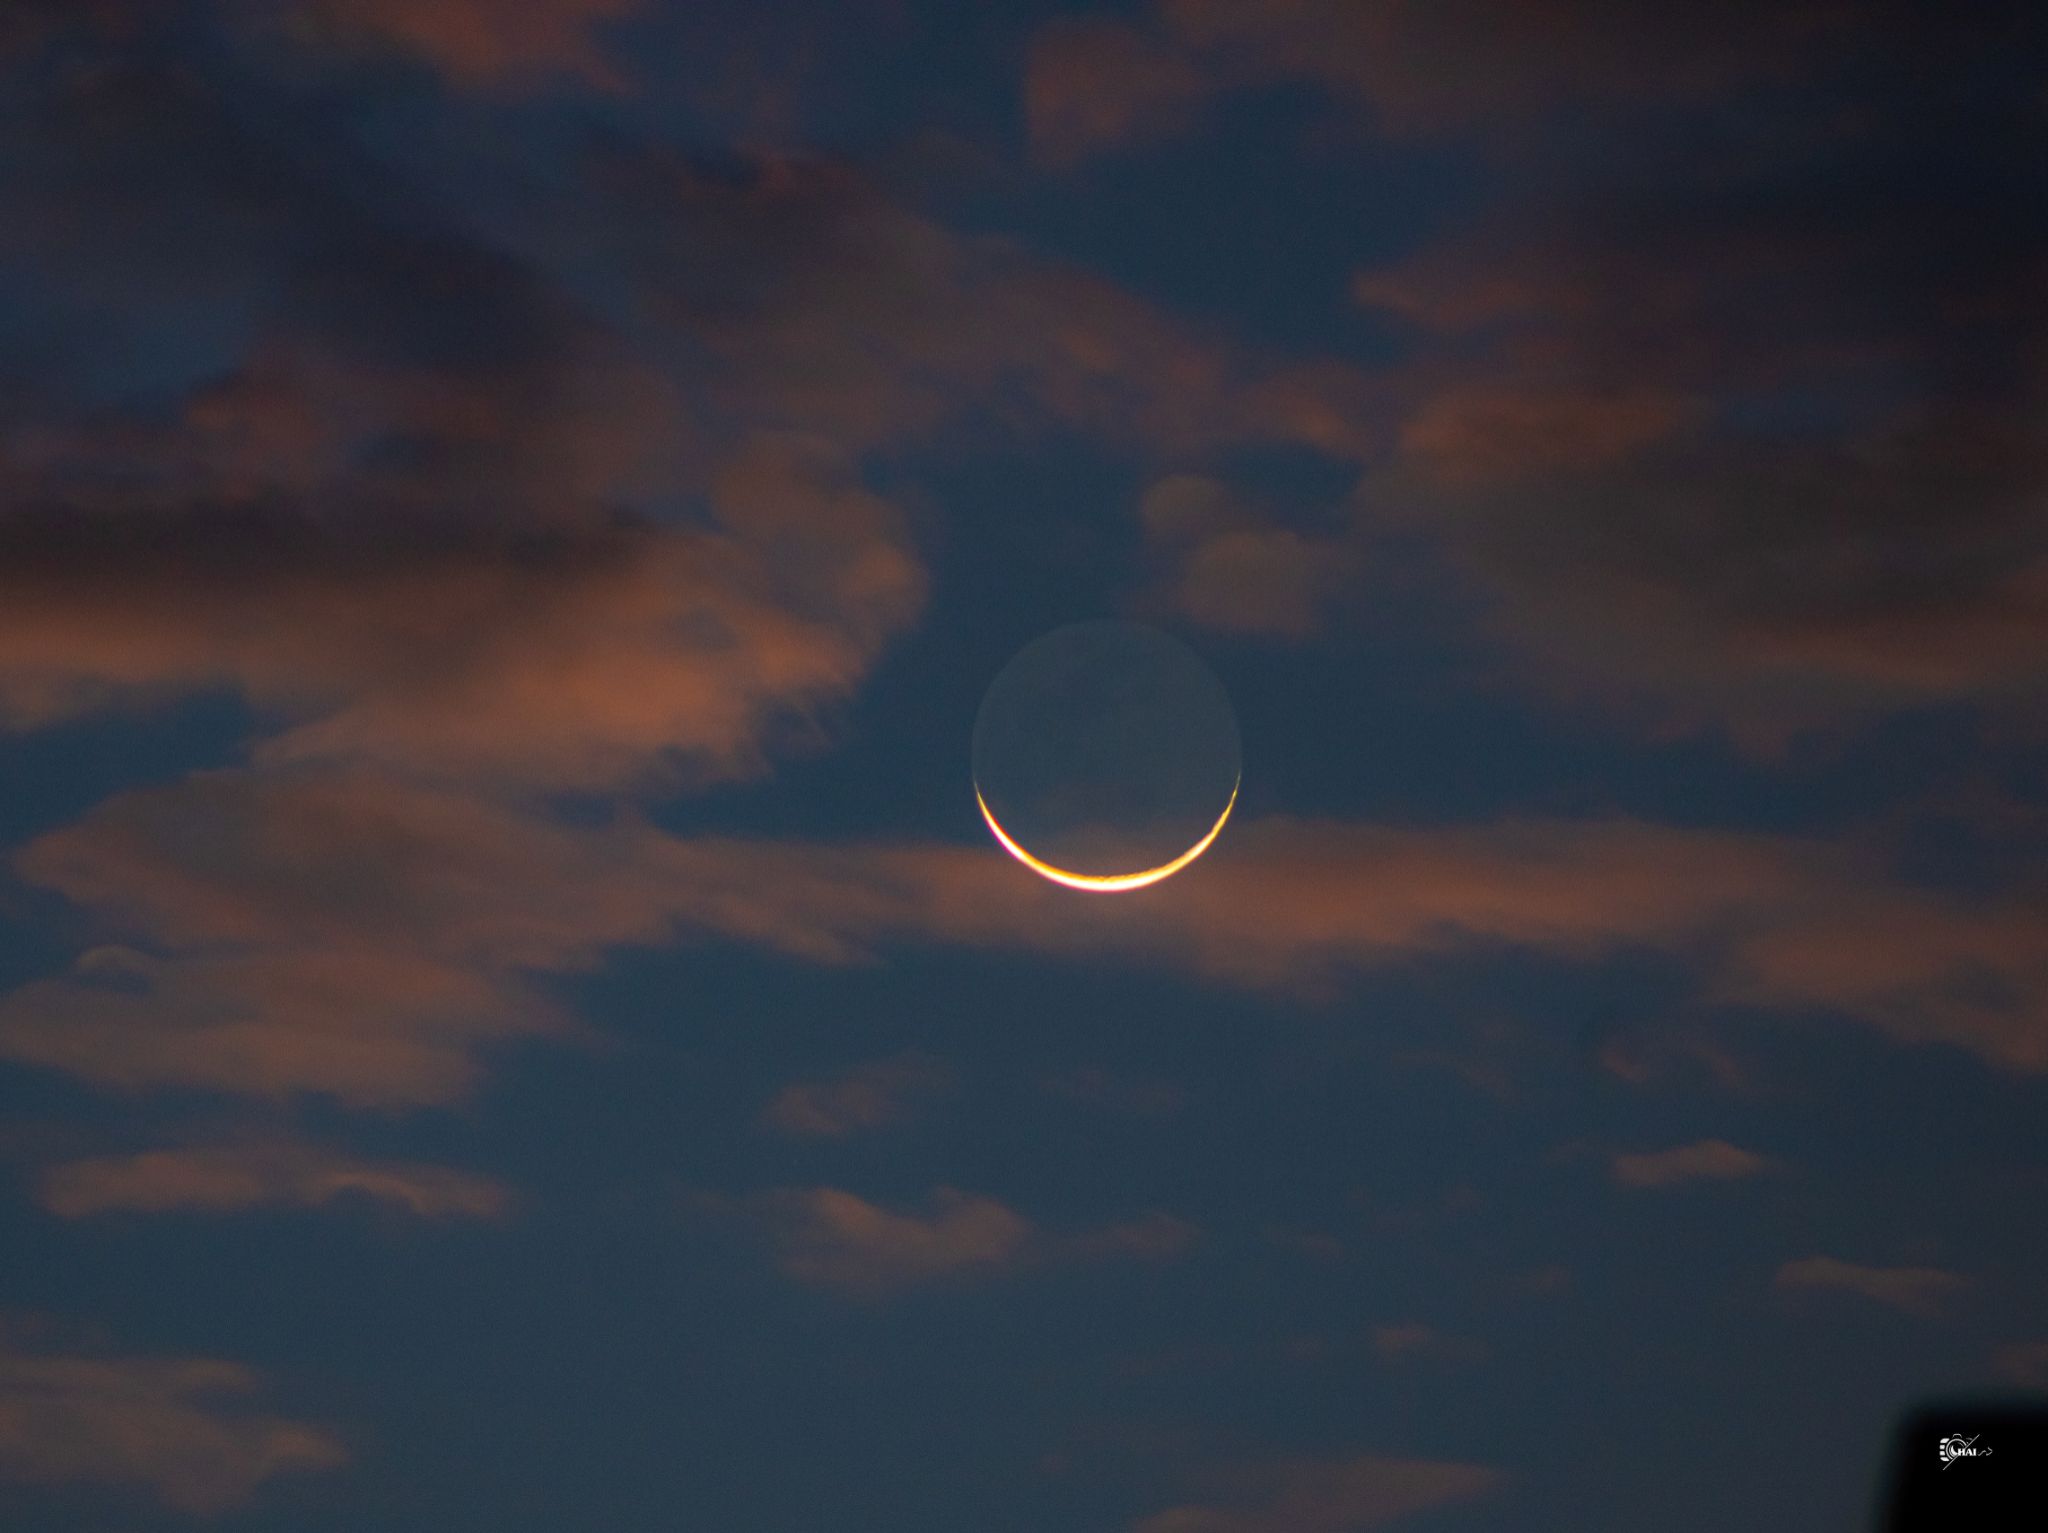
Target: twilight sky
point(509, 1018)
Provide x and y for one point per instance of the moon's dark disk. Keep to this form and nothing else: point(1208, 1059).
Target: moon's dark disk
point(1105, 750)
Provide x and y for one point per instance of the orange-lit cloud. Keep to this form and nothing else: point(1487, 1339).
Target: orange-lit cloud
point(231, 1178)
point(1710, 1160)
point(1916, 1290)
point(1331, 1496)
point(175, 1427)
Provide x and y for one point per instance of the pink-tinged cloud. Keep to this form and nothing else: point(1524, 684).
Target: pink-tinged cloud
point(175, 1427)
point(1332, 1496)
point(225, 1179)
point(873, 1096)
point(1708, 1160)
point(493, 43)
point(829, 1238)
point(1916, 1290)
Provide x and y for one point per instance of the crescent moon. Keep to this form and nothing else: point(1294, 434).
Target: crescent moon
point(1112, 883)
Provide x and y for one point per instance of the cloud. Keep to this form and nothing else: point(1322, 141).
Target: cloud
point(381, 1029)
point(1416, 1340)
point(1230, 569)
point(1750, 442)
point(833, 1239)
point(1332, 1496)
point(1154, 1237)
point(1489, 431)
point(1453, 67)
point(233, 1178)
point(1095, 1087)
point(2024, 1363)
point(418, 500)
point(1916, 1290)
point(1712, 1160)
point(1093, 84)
point(582, 653)
point(417, 503)
point(170, 1425)
point(830, 1238)
point(872, 1096)
point(475, 42)
point(370, 937)
point(823, 305)
point(339, 933)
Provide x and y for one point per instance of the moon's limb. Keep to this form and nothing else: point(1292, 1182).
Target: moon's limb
point(1111, 883)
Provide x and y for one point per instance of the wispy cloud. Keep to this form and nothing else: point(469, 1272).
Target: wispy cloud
point(831, 1238)
point(872, 1096)
point(477, 42)
point(223, 1179)
point(1094, 85)
point(1331, 1496)
point(1916, 1290)
point(1708, 1160)
point(1416, 1340)
point(371, 937)
point(1226, 566)
point(176, 1427)
point(2024, 1363)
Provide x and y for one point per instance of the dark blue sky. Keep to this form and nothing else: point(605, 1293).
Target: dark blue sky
point(509, 1017)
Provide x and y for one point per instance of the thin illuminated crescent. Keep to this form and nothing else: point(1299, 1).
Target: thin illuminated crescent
point(1109, 883)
